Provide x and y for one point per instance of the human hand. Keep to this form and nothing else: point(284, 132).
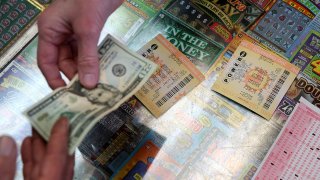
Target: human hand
point(48, 160)
point(69, 31)
point(8, 157)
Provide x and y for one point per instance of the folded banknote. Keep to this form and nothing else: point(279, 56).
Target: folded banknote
point(122, 74)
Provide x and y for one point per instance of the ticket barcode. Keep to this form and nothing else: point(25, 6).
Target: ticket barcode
point(276, 89)
point(174, 90)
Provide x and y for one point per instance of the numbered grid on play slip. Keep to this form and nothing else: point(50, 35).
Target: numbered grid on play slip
point(296, 153)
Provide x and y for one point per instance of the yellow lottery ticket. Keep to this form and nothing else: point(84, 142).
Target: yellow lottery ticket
point(225, 56)
point(175, 77)
point(256, 78)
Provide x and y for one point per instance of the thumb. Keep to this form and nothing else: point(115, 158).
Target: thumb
point(88, 62)
point(8, 156)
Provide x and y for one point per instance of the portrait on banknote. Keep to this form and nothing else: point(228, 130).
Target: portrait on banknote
point(103, 94)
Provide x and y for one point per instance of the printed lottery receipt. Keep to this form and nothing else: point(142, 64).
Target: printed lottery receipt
point(256, 78)
point(175, 77)
point(122, 73)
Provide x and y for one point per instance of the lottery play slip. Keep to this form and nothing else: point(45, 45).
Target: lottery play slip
point(295, 153)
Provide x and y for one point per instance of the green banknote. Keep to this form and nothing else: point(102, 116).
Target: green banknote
point(201, 50)
point(122, 74)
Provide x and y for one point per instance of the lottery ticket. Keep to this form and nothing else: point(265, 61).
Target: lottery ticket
point(149, 161)
point(231, 155)
point(184, 131)
point(313, 69)
point(113, 138)
point(139, 163)
point(42, 2)
point(302, 86)
point(265, 42)
point(213, 28)
point(16, 17)
point(125, 22)
point(312, 7)
point(227, 53)
point(234, 15)
point(316, 2)
point(213, 104)
point(201, 50)
point(307, 50)
point(175, 77)
point(16, 87)
point(150, 7)
point(27, 60)
point(300, 7)
point(313, 25)
point(281, 25)
point(295, 153)
point(263, 4)
point(256, 78)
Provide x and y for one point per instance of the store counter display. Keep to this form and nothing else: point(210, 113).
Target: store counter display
point(232, 80)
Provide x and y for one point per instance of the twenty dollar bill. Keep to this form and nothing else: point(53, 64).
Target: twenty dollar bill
point(122, 73)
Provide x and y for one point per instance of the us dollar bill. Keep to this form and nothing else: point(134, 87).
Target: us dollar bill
point(122, 74)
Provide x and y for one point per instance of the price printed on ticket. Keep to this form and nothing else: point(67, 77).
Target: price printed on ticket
point(296, 152)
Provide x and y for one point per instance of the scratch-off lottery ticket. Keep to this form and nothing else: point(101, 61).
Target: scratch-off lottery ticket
point(201, 50)
point(306, 52)
point(16, 16)
point(295, 153)
point(15, 88)
point(263, 4)
point(125, 22)
point(281, 25)
point(316, 2)
point(313, 68)
point(188, 12)
point(150, 7)
point(313, 25)
point(233, 14)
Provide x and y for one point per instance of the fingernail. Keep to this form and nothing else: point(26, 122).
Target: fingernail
point(6, 146)
point(89, 80)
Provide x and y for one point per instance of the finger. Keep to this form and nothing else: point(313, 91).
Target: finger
point(88, 63)
point(67, 62)
point(70, 167)
point(8, 156)
point(53, 31)
point(48, 63)
point(74, 49)
point(26, 154)
point(38, 152)
point(38, 147)
point(57, 151)
point(58, 143)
